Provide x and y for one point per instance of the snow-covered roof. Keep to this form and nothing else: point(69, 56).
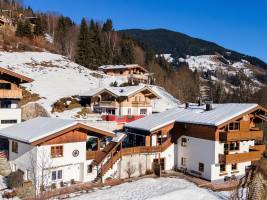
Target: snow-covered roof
point(118, 91)
point(194, 114)
point(38, 128)
point(112, 67)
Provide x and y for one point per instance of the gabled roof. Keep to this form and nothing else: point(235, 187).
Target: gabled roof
point(220, 114)
point(118, 67)
point(42, 127)
point(23, 79)
point(120, 91)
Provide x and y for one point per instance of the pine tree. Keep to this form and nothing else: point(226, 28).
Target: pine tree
point(107, 26)
point(27, 30)
point(82, 56)
point(19, 30)
point(38, 28)
point(127, 51)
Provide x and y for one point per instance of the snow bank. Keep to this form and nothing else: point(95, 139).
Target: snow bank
point(55, 77)
point(153, 189)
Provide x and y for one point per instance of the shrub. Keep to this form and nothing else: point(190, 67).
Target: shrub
point(149, 171)
point(15, 179)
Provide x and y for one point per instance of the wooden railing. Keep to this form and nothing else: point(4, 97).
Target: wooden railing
point(90, 155)
point(140, 103)
point(114, 155)
point(259, 147)
point(240, 157)
point(253, 134)
point(13, 94)
point(146, 149)
point(104, 168)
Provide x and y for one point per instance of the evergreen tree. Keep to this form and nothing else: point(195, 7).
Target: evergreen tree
point(27, 30)
point(83, 46)
point(19, 30)
point(108, 26)
point(127, 51)
point(38, 28)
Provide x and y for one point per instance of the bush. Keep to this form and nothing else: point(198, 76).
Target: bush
point(15, 179)
point(149, 171)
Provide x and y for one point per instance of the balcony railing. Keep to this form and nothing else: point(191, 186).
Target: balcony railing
point(146, 149)
point(91, 155)
point(253, 134)
point(140, 103)
point(138, 76)
point(105, 104)
point(259, 147)
point(11, 94)
point(240, 157)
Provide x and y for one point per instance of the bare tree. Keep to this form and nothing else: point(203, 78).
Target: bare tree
point(40, 169)
point(130, 170)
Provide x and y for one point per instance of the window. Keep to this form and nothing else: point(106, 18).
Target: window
point(5, 86)
point(129, 111)
point(143, 111)
point(89, 169)
point(184, 142)
point(14, 147)
point(234, 166)
point(226, 148)
point(233, 126)
point(222, 167)
point(56, 151)
point(201, 167)
point(56, 175)
point(9, 121)
point(234, 146)
point(183, 161)
point(5, 104)
point(59, 174)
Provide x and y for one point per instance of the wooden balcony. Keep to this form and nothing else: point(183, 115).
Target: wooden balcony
point(140, 104)
point(260, 147)
point(91, 155)
point(240, 157)
point(146, 149)
point(253, 134)
point(109, 104)
point(11, 94)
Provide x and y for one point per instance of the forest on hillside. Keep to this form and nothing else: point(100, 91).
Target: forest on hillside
point(93, 43)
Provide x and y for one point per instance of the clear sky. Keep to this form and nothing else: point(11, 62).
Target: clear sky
point(239, 25)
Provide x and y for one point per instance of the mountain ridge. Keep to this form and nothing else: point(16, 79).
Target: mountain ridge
point(164, 41)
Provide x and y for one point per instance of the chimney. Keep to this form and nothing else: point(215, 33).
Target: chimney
point(186, 105)
point(208, 106)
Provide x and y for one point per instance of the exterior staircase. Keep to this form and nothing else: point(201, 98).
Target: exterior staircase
point(5, 169)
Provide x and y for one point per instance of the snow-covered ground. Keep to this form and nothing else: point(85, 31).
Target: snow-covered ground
point(214, 63)
point(2, 183)
point(55, 77)
point(155, 189)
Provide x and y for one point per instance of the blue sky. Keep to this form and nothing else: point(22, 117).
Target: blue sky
point(239, 25)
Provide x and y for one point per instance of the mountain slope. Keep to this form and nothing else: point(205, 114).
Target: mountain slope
point(56, 77)
point(180, 45)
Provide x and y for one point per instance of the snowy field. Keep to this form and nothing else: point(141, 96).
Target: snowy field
point(55, 77)
point(155, 189)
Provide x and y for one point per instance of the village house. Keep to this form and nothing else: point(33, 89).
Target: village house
point(54, 152)
point(10, 96)
point(133, 72)
point(215, 142)
point(120, 104)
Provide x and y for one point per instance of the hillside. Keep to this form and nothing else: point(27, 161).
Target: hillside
point(56, 77)
point(165, 41)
